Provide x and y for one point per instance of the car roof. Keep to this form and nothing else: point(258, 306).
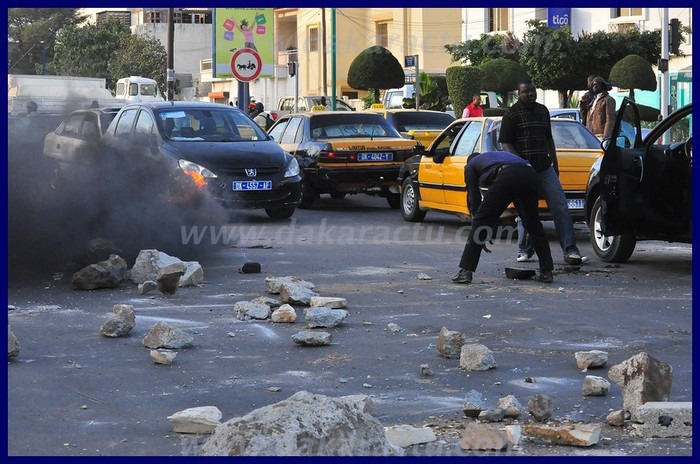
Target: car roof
point(159, 105)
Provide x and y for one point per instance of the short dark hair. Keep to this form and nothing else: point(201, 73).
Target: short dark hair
point(524, 82)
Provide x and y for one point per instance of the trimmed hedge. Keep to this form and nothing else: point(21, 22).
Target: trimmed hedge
point(462, 83)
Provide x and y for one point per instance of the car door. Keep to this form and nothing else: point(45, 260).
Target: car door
point(646, 185)
point(454, 184)
point(430, 169)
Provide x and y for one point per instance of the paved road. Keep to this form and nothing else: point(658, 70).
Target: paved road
point(73, 392)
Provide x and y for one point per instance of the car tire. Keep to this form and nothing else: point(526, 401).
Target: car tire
point(55, 180)
point(308, 196)
point(614, 249)
point(394, 200)
point(280, 213)
point(338, 195)
point(409, 202)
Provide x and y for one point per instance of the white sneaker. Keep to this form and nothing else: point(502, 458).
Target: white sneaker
point(523, 258)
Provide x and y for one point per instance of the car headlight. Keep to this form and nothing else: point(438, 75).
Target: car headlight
point(292, 168)
point(197, 173)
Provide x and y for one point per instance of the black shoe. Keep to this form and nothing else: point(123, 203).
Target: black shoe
point(545, 277)
point(463, 277)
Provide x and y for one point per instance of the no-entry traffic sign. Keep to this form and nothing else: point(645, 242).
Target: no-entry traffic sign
point(246, 64)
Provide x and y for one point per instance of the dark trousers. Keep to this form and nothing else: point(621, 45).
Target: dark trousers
point(517, 184)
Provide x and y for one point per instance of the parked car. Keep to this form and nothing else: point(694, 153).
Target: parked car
point(435, 181)
point(343, 152)
point(72, 149)
point(641, 189)
point(198, 147)
point(575, 114)
point(285, 105)
point(420, 125)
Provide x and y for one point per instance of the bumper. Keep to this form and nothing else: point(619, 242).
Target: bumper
point(285, 194)
point(360, 179)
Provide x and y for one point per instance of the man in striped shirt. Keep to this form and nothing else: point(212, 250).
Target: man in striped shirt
point(526, 131)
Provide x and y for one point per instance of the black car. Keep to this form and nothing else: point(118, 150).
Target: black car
point(196, 147)
point(641, 189)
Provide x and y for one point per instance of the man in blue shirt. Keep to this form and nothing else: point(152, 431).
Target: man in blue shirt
point(509, 179)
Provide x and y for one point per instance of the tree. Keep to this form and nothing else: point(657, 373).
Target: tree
point(462, 83)
point(27, 27)
point(502, 76)
point(375, 68)
point(633, 72)
point(110, 51)
point(433, 93)
point(487, 47)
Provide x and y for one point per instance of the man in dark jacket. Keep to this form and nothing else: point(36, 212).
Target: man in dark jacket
point(509, 178)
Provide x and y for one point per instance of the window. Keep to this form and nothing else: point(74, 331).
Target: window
point(126, 120)
point(498, 19)
point(72, 126)
point(382, 31)
point(144, 124)
point(313, 39)
point(626, 12)
point(468, 141)
point(289, 135)
point(276, 132)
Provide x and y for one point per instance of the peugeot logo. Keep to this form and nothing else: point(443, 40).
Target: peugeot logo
point(251, 172)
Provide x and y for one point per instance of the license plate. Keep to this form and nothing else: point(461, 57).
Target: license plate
point(375, 157)
point(252, 185)
point(576, 204)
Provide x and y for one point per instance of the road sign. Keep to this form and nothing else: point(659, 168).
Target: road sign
point(246, 64)
point(409, 61)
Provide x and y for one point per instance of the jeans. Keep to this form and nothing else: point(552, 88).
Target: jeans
point(552, 191)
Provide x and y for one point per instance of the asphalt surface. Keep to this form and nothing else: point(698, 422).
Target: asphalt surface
point(73, 392)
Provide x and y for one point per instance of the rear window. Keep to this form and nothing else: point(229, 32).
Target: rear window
point(420, 120)
point(351, 125)
point(573, 135)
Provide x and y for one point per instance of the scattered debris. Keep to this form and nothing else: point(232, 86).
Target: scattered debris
point(593, 358)
point(309, 338)
point(12, 344)
point(247, 310)
point(394, 328)
point(109, 273)
point(147, 287)
point(541, 407)
point(274, 284)
point(476, 357)
point(294, 293)
point(424, 276)
point(616, 418)
point(483, 437)
point(324, 317)
point(595, 386)
point(407, 435)
point(492, 415)
point(163, 356)
point(514, 434)
point(162, 335)
point(251, 268)
point(425, 370)
point(519, 274)
point(203, 419)
point(449, 343)
point(642, 378)
point(121, 322)
point(569, 434)
point(304, 424)
point(284, 313)
point(664, 419)
point(273, 389)
point(473, 403)
point(168, 278)
point(510, 405)
point(149, 262)
point(332, 302)
point(268, 300)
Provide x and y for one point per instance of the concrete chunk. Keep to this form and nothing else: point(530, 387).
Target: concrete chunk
point(664, 419)
point(569, 434)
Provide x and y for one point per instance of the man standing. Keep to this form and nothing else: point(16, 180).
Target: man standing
point(508, 178)
point(584, 105)
point(474, 109)
point(526, 130)
point(601, 117)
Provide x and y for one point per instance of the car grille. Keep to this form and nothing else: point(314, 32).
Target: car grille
point(240, 172)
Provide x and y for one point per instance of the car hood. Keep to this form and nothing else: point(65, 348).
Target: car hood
point(214, 155)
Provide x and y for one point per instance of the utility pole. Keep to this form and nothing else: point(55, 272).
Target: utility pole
point(333, 48)
point(663, 65)
point(43, 58)
point(171, 55)
point(323, 45)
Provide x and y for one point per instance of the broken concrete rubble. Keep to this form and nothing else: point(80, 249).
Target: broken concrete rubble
point(304, 424)
point(324, 317)
point(476, 357)
point(12, 344)
point(449, 343)
point(294, 293)
point(407, 435)
point(246, 310)
point(121, 322)
point(202, 419)
point(664, 419)
point(616, 418)
point(149, 262)
point(510, 405)
point(284, 314)
point(168, 278)
point(642, 378)
point(483, 437)
point(251, 268)
point(473, 403)
point(109, 273)
point(595, 386)
point(568, 434)
point(311, 338)
point(146, 287)
point(589, 359)
point(163, 356)
point(332, 302)
point(541, 407)
point(274, 284)
point(162, 335)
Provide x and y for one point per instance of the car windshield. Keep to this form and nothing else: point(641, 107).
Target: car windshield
point(206, 124)
point(340, 105)
point(573, 135)
point(351, 125)
point(421, 120)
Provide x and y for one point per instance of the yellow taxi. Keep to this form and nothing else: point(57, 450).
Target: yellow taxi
point(344, 152)
point(435, 181)
point(420, 125)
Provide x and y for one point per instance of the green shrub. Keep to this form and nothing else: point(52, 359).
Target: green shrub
point(462, 83)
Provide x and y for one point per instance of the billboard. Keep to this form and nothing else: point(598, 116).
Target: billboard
point(238, 28)
point(558, 17)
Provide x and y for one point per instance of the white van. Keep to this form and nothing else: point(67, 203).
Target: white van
point(138, 89)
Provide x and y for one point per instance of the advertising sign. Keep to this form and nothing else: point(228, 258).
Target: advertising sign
point(236, 29)
point(558, 17)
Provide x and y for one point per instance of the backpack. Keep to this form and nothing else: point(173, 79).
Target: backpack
point(268, 121)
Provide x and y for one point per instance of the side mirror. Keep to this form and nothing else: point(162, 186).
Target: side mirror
point(440, 154)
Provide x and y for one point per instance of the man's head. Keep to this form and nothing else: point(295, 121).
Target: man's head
point(476, 99)
point(527, 92)
point(599, 85)
point(589, 81)
point(259, 107)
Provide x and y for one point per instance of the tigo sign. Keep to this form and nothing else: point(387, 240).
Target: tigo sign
point(558, 17)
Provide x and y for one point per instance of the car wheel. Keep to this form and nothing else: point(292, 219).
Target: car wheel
point(280, 213)
point(614, 249)
point(409, 202)
point(308, 195)
point(394, 199)
point(338, 195)
point(55, 176)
